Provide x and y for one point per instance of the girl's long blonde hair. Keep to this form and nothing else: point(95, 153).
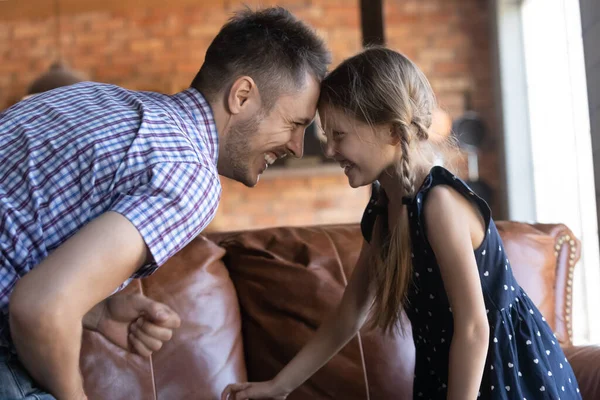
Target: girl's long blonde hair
point(380, 86)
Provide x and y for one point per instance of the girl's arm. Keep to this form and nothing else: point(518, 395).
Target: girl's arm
point(454, 228)
point(331, 336)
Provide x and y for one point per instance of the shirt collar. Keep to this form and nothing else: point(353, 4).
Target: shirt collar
point(198, 109)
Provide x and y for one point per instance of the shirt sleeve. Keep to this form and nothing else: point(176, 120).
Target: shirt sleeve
point(169, 204)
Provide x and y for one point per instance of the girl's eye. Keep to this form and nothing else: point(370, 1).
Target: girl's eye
point(337, 135)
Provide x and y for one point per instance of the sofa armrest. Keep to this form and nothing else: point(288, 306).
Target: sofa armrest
point(585, 361)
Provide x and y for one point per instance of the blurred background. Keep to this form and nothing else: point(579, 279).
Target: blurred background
point(517, 80)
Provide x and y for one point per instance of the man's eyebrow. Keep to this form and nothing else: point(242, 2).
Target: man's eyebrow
point(303, 121)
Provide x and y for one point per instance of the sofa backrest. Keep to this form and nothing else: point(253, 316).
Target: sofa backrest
point(286, 281)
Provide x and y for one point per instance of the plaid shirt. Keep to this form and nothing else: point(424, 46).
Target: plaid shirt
point(72, 154)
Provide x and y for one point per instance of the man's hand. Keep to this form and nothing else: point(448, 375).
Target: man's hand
point(133, 322)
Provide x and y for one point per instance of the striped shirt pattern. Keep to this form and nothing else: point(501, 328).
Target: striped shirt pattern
point(74, 153)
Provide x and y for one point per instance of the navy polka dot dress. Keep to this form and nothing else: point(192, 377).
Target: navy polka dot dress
point(524, 359)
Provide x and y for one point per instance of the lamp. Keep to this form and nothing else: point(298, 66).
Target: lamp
point(471, 131)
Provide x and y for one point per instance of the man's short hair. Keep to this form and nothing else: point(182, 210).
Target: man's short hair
point(271, 46)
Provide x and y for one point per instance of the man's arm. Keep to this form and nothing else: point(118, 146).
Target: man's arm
point(48, 304)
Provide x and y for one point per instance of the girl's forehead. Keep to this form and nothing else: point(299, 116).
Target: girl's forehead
point(332, 118)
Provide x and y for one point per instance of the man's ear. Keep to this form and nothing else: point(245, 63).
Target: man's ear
point(243, 92)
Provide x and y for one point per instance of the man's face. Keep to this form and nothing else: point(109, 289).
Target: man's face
point(255, 141)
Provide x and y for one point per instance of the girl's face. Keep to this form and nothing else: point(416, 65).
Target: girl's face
point(363, 151)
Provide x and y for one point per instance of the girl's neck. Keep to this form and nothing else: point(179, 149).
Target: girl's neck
point(391, 181)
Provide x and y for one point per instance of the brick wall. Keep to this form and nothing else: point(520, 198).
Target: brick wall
point(161, 47)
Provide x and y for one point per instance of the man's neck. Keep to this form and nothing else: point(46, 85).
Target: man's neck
point(220, 115)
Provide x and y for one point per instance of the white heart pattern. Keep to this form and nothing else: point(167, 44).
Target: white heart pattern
point(528, 342)
point(548, 352)
point(520, 374)
point(483, 253)
point(486, 273)
point(495, 340)
point(536, 361)
point(542, 389)
point(510, 365)
point(507, 388)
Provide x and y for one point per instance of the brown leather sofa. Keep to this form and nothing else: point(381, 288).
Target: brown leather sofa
point(250, 300)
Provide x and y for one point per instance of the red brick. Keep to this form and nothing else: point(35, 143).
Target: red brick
point(91, 39)
point(5, 32)
point(311, 14)
point(9, 68)
point(107, 24)
point(31, 30)
point(451, 68)
point(146, 45)
point(342, 16)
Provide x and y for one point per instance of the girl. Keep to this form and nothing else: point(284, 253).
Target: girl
point(431, 249)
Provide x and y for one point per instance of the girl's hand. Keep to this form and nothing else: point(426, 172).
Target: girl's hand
point(253, 390)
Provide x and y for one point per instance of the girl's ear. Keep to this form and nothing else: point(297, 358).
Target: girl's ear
point(394, 134)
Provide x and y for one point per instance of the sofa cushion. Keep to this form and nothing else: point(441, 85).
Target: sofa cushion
point(288, 280)
point(206, 352)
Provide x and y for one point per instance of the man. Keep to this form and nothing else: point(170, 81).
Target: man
point(99, 184)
